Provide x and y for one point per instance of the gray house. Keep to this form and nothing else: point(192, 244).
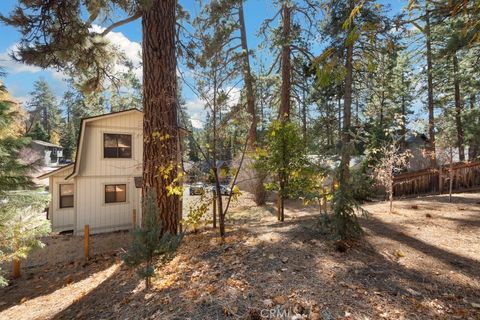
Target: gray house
point(49, 153)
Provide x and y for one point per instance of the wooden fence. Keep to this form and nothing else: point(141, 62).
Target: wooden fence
point(465, 177)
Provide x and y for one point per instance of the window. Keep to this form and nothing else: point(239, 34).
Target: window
point(66, 196)
point(117, 145)
point(115, 193)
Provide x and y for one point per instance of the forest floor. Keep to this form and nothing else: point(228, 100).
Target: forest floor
point(421, 262)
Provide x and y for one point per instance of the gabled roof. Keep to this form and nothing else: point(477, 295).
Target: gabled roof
point(83, 123)
point(53, 172)
point(46, 144)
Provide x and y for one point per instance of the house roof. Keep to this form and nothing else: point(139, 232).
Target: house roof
point(46, 144)
point(53, 172)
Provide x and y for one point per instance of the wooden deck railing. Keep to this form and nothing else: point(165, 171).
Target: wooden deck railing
point(465, 177)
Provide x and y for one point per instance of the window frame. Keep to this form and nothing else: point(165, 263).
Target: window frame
point(105, 186)
point(117, 148)
point(60, 205)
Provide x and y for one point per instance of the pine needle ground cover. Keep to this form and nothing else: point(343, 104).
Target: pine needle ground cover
point(420, 262)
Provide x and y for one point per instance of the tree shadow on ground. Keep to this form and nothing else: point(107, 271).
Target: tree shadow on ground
point(109, 299)
point(467, 266)
point(41, 281)
point(295, 270)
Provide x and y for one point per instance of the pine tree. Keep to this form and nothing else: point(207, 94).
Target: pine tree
point(21, 223)
point(353, 28)
point(61, 34)
point(38, 132)
point(150, 241)
point(44, 110)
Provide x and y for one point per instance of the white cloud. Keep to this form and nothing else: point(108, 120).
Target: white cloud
point(196, 111)
point(12, 66)
point(131, 49)
point(196, 107)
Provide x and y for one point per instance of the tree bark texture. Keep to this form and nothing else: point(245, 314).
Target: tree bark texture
point(247, 75)
point(473, 143)
point(160, 130)
point(347, 109)
point(284, 112)
point(431, 114)
point(458, 110)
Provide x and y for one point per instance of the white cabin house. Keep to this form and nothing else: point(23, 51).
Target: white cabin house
point(99, 188)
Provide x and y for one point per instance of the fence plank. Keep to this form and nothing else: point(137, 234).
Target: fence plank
point(465, 176)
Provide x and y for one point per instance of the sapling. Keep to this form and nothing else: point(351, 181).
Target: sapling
point(392, 160)
point(150, 241)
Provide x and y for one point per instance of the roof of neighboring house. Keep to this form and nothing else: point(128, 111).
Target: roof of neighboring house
point(53, 172)
point(46, 144)
point(416, 137)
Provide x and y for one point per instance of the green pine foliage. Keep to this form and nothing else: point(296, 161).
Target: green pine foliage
point(149, 242)
point(21, 225)
point(344, 220)
point(44, 112)
point(38, 132)
point(21, 221)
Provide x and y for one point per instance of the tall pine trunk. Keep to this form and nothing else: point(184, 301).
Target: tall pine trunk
point(160, 109)
point(247, 75)
point(347, 111)
point(473, 143)
point(284, 112)
point(431, 114)
point(259, 190)
point(458, 109)
point(403, 127)
point(285, 91)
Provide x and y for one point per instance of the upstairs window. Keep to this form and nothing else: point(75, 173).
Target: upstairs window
point(115, 193)
point(117, 145)
point(66, 196)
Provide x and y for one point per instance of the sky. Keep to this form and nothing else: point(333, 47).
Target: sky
point(20, 77)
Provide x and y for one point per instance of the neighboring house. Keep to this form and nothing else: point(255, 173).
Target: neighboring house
point(47, 152)
point(103, 186)
point(418, 145)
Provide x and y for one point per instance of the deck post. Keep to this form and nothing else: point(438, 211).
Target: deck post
point(86, 240)
point(16, 269)
point(134, 218)
point(214, 211)
point(440, 180)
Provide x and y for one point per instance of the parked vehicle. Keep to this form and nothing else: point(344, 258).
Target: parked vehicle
point(198, 188)
point(224, 189)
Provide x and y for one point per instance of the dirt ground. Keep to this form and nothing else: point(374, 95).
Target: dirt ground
point(421, 262)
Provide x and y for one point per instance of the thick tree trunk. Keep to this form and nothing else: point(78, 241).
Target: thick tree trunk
point(347, 112)
point(248, 79)
point(431, 114)
point(403, 127)
point(339, 109)
point(458, 110)
point(304, 117)
point(284, 112)
point(259, 190)
point(473, 143)
point(160, 109)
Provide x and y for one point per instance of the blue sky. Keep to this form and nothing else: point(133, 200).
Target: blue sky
point(20, 78)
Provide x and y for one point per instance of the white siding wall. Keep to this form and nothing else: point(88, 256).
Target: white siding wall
point(101, 216)
point(93, 163)
point(95, 172)
point(61, 219)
